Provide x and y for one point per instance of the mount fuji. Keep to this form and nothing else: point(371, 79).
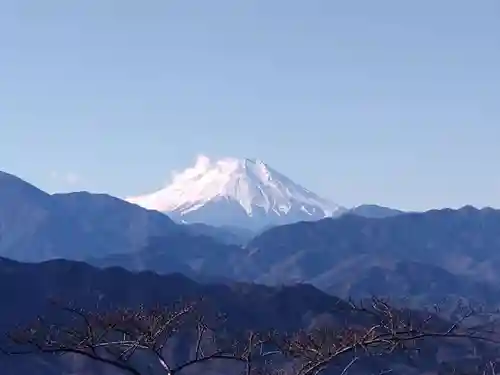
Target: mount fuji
point(238, 193)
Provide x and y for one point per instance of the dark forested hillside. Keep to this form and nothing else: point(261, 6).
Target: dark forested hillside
point(246, 306)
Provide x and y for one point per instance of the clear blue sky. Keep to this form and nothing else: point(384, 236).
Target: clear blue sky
point(391, 102)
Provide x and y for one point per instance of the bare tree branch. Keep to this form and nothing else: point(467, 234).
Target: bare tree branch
point(121, 338)
point(115, 337)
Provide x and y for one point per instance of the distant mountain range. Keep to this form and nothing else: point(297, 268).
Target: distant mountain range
point(455, 251)
point(334, 252)
point(35, 225)
point(417, 259)
point(421, 258)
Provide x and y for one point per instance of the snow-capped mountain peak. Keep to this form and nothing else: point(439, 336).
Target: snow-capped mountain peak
point(247, 185)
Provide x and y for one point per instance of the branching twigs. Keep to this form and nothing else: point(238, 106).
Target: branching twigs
point(125, 338)
point(384, 331)
point(122, 338)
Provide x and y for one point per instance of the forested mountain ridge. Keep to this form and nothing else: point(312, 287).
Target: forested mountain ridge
point(246, 307)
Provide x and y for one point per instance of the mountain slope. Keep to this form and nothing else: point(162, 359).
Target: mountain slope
point(126, 226)
point(32, 225)
point(226, 235)
point(234, 192)
point(463, 242)
point(415, 284)
point(37, 226)
point(197, 256)
point(422, 256)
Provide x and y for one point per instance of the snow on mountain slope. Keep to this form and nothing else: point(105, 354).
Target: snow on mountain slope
point(240, 192)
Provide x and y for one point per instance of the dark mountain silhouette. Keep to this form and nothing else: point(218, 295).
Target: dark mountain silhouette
point(414, 284)
point(248, 306)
